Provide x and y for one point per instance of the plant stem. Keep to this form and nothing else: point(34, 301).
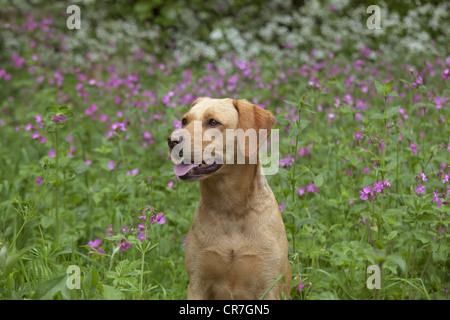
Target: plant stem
point(121, 152)
point(384, 137)
point(293, 240)
point(294, 156)
point(17, 235)
point(396, 179)
point(57, 184)
point(142, 268)
point(413, 263)
point(426, 264)
point(88, 188)
point(293, 170)
point(369, 225)
point(380, 218)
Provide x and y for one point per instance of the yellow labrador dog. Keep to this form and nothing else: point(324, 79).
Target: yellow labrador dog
point(236, 247)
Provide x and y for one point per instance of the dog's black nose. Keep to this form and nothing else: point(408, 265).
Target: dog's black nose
point(173, 143)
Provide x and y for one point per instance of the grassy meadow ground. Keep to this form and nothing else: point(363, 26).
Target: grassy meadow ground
point(86, 179)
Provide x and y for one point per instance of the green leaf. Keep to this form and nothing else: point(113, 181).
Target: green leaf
point(304, 221)
point(376, 116)
point(294, 131)
point(379, 87)
point(332, 203)
point(304, 123)
point(393, 93)
point(51, 109)
point(8, 259)
point(339, 256)
point(287, 192)
point(388, 86)
point(354, 160)
point(50, 127)
point(421, 235)
point(89, 284)
point(297, 128)
point(319, 180)
point(97, 197)
point(398, 260)
point(79, 167)
point(65, 111)
point(441, 254)
point(292, 103)
point(379, 244)
point(47, 221)
point(392, 235)
point(395, 211)
point(111, 293)
point(303, 169)
point(104, 149)
point(346, 109)
point(48, 289)
point(405, 81)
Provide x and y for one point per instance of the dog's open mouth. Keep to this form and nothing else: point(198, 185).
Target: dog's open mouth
point(194, 171)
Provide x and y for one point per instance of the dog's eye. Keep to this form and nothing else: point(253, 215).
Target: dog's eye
point(213, 123)
point(184, 121)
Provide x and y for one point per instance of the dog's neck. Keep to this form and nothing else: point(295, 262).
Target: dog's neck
point(226, 192)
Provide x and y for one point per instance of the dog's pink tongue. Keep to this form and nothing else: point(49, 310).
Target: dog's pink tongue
point(181, 169)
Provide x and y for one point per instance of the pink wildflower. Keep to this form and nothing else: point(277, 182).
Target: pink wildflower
point(420, 189)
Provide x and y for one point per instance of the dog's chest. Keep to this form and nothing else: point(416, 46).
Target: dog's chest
point(235, 243)
point(236, 264)
point(232, 255)
point(232, 269)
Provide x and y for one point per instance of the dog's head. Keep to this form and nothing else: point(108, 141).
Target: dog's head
point(218, 133)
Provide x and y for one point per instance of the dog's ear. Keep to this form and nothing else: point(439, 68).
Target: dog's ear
point(254, 117)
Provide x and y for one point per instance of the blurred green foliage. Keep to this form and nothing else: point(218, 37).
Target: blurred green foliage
point(182, 24)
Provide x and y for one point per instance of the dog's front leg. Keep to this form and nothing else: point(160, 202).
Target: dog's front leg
point(197, 293)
